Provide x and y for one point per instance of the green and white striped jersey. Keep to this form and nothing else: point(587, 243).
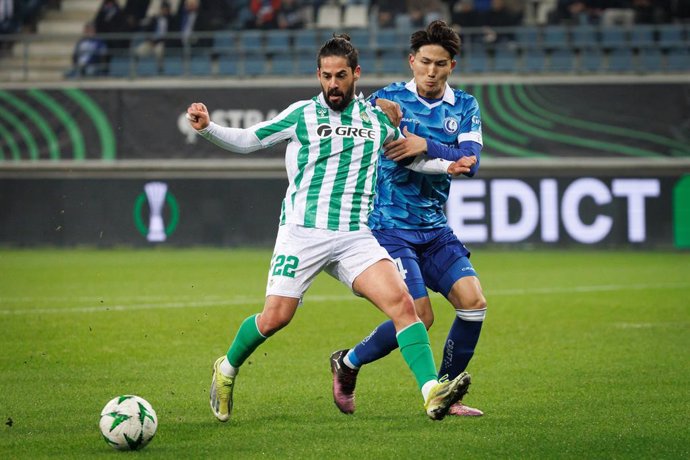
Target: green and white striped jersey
point(331, 159)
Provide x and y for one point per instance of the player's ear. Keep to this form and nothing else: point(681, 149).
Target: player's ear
point(410, 59)
point(357, 72)
point(453, 63)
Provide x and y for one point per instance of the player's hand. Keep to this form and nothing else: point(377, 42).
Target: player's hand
point(391, 109)
point(409, 146)
point(462, 166)
point(198, 116)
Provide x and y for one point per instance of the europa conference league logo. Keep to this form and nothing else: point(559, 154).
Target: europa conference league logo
point(156, 194)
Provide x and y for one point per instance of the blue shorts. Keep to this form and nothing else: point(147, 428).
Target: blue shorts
point(433, 258)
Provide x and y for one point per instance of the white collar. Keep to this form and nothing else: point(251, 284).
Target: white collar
point(448, 94)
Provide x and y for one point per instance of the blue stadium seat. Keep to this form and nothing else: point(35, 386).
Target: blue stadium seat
point(394, 61)
point(476, 61)
point(173, 66)
point(278, 41)
point(119, 66)
point(224, 42)
point(527, 36)
point(252, 40)
point(200, 64)
point(361, 38)
point(282, 64)
point(306, 39)
point(591, 60)
point(555, 37)
point(678, 59)
point(642, 36)
point(620, 60)
point(306, 62)
point(368, 60)
point(613, 37)
point(506, 59)
point(227, 65)
point(534, 60)
point(584, 36)
point(561, 60)
point(388, 39)
point(671, 35)
point(650, 60)
point(146, 67)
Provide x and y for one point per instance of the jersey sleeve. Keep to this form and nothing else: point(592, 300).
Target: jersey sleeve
point(425, 165)
point(471, 127)
point(258, 136)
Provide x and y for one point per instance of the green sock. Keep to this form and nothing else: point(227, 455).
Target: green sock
point(247, 340)
point(415, 348)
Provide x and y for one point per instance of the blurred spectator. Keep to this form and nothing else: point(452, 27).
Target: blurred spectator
point(9, 23)
point(134, 13)
point(504, 14)
point(192, 19)
point(218, 14)
point(90, 55)
point(570, 12)
point(470, 13)
point(159, 28)
point(29, 12)
point(265, 13)
point(20, 15)
point(291, 15)
point(388, 11)
point(593, 12)
point(137, 8)
point(423, 12)
point(110, 20)
point(680, 10)
point(652, 11)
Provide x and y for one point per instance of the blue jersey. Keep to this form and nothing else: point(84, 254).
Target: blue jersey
point(407, 199)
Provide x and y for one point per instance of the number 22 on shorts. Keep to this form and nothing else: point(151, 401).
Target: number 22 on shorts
point(284, 265)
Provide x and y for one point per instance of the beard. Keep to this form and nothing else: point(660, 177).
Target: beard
point(345, 98)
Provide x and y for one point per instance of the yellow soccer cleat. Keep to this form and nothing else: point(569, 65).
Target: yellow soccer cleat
point(445, 394)
point(221, 392)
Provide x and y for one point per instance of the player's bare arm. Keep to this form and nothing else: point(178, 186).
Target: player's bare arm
point(409, 146)
point(198, 116)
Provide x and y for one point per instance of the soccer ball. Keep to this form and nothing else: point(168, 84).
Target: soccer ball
point(128, 422)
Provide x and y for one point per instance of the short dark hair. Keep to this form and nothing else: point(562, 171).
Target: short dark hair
point(436, 33)
point(339, 45)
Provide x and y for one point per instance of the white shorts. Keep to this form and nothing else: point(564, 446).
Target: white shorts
point(301, 253)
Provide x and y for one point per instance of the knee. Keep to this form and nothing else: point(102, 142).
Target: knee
point(474, 302)
point(404, 307)
point(270, 323)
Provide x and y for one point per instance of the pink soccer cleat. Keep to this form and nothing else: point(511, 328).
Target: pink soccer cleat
point(460, 410)
point(344, 381)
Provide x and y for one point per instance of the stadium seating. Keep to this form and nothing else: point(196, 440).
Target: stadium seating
point(528, 49)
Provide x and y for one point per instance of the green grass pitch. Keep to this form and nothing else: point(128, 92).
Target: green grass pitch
point(584, 354)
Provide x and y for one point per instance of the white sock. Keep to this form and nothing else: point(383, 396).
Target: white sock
point(426, 388)
point(348, 363)
point(227, 369)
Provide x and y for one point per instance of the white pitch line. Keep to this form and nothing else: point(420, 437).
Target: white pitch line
point(218, 301)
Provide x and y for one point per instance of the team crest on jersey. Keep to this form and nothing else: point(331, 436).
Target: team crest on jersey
point(450, 125)
point(365, 118)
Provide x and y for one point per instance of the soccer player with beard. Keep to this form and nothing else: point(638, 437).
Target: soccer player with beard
point(331, 156)
point(408, 218)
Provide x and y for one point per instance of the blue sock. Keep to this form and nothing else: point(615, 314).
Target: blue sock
point(461, 342)
point(376, 345)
